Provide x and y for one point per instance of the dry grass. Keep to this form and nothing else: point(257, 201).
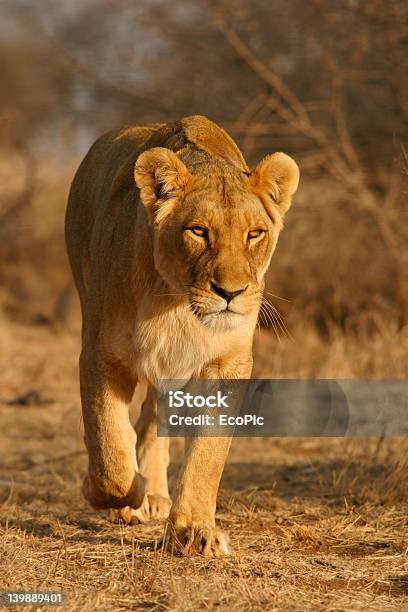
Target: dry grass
point(307, 354)
point(315, 524)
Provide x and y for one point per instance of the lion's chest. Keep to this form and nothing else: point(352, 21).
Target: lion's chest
point(172, 346)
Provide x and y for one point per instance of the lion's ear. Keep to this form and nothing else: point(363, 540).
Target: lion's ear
point(275, 180)
point(161, 177)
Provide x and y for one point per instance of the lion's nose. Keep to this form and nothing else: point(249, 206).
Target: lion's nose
point(226, 294)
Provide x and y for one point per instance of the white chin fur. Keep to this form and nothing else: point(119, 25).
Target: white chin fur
point(222, 321)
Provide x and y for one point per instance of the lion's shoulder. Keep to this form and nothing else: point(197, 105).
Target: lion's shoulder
point(200, 133)
point(211, 138)
point(195, 134)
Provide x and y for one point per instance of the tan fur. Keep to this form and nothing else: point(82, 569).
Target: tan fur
point(150, 312)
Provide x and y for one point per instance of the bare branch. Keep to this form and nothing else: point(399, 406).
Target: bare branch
point(259, 68)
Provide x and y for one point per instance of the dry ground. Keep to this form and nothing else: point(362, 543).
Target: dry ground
point(315, 524)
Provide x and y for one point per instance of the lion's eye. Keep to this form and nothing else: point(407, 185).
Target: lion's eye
point(255, 233)
point(197, 230)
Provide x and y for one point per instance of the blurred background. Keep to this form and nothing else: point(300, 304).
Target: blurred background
point(324, 82)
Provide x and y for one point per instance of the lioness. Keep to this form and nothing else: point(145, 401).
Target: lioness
point(169, 237)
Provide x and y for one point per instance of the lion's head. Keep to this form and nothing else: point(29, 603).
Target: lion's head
point(215, 227)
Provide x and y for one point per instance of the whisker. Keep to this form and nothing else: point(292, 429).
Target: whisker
point(277, 317)
point(268, 316)
point(278, 297)
point(272, 313)
point(283, 324)
point(271, 317)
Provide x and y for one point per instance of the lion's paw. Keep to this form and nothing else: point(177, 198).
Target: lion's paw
point(155, 507)
point(103, 493)
point(195, 540)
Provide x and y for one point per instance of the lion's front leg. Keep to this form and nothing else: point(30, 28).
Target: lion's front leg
point(113, 480)
point(191, 528)
point(153, 459)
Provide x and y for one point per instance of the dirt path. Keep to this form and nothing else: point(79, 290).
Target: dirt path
point(315, 524)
